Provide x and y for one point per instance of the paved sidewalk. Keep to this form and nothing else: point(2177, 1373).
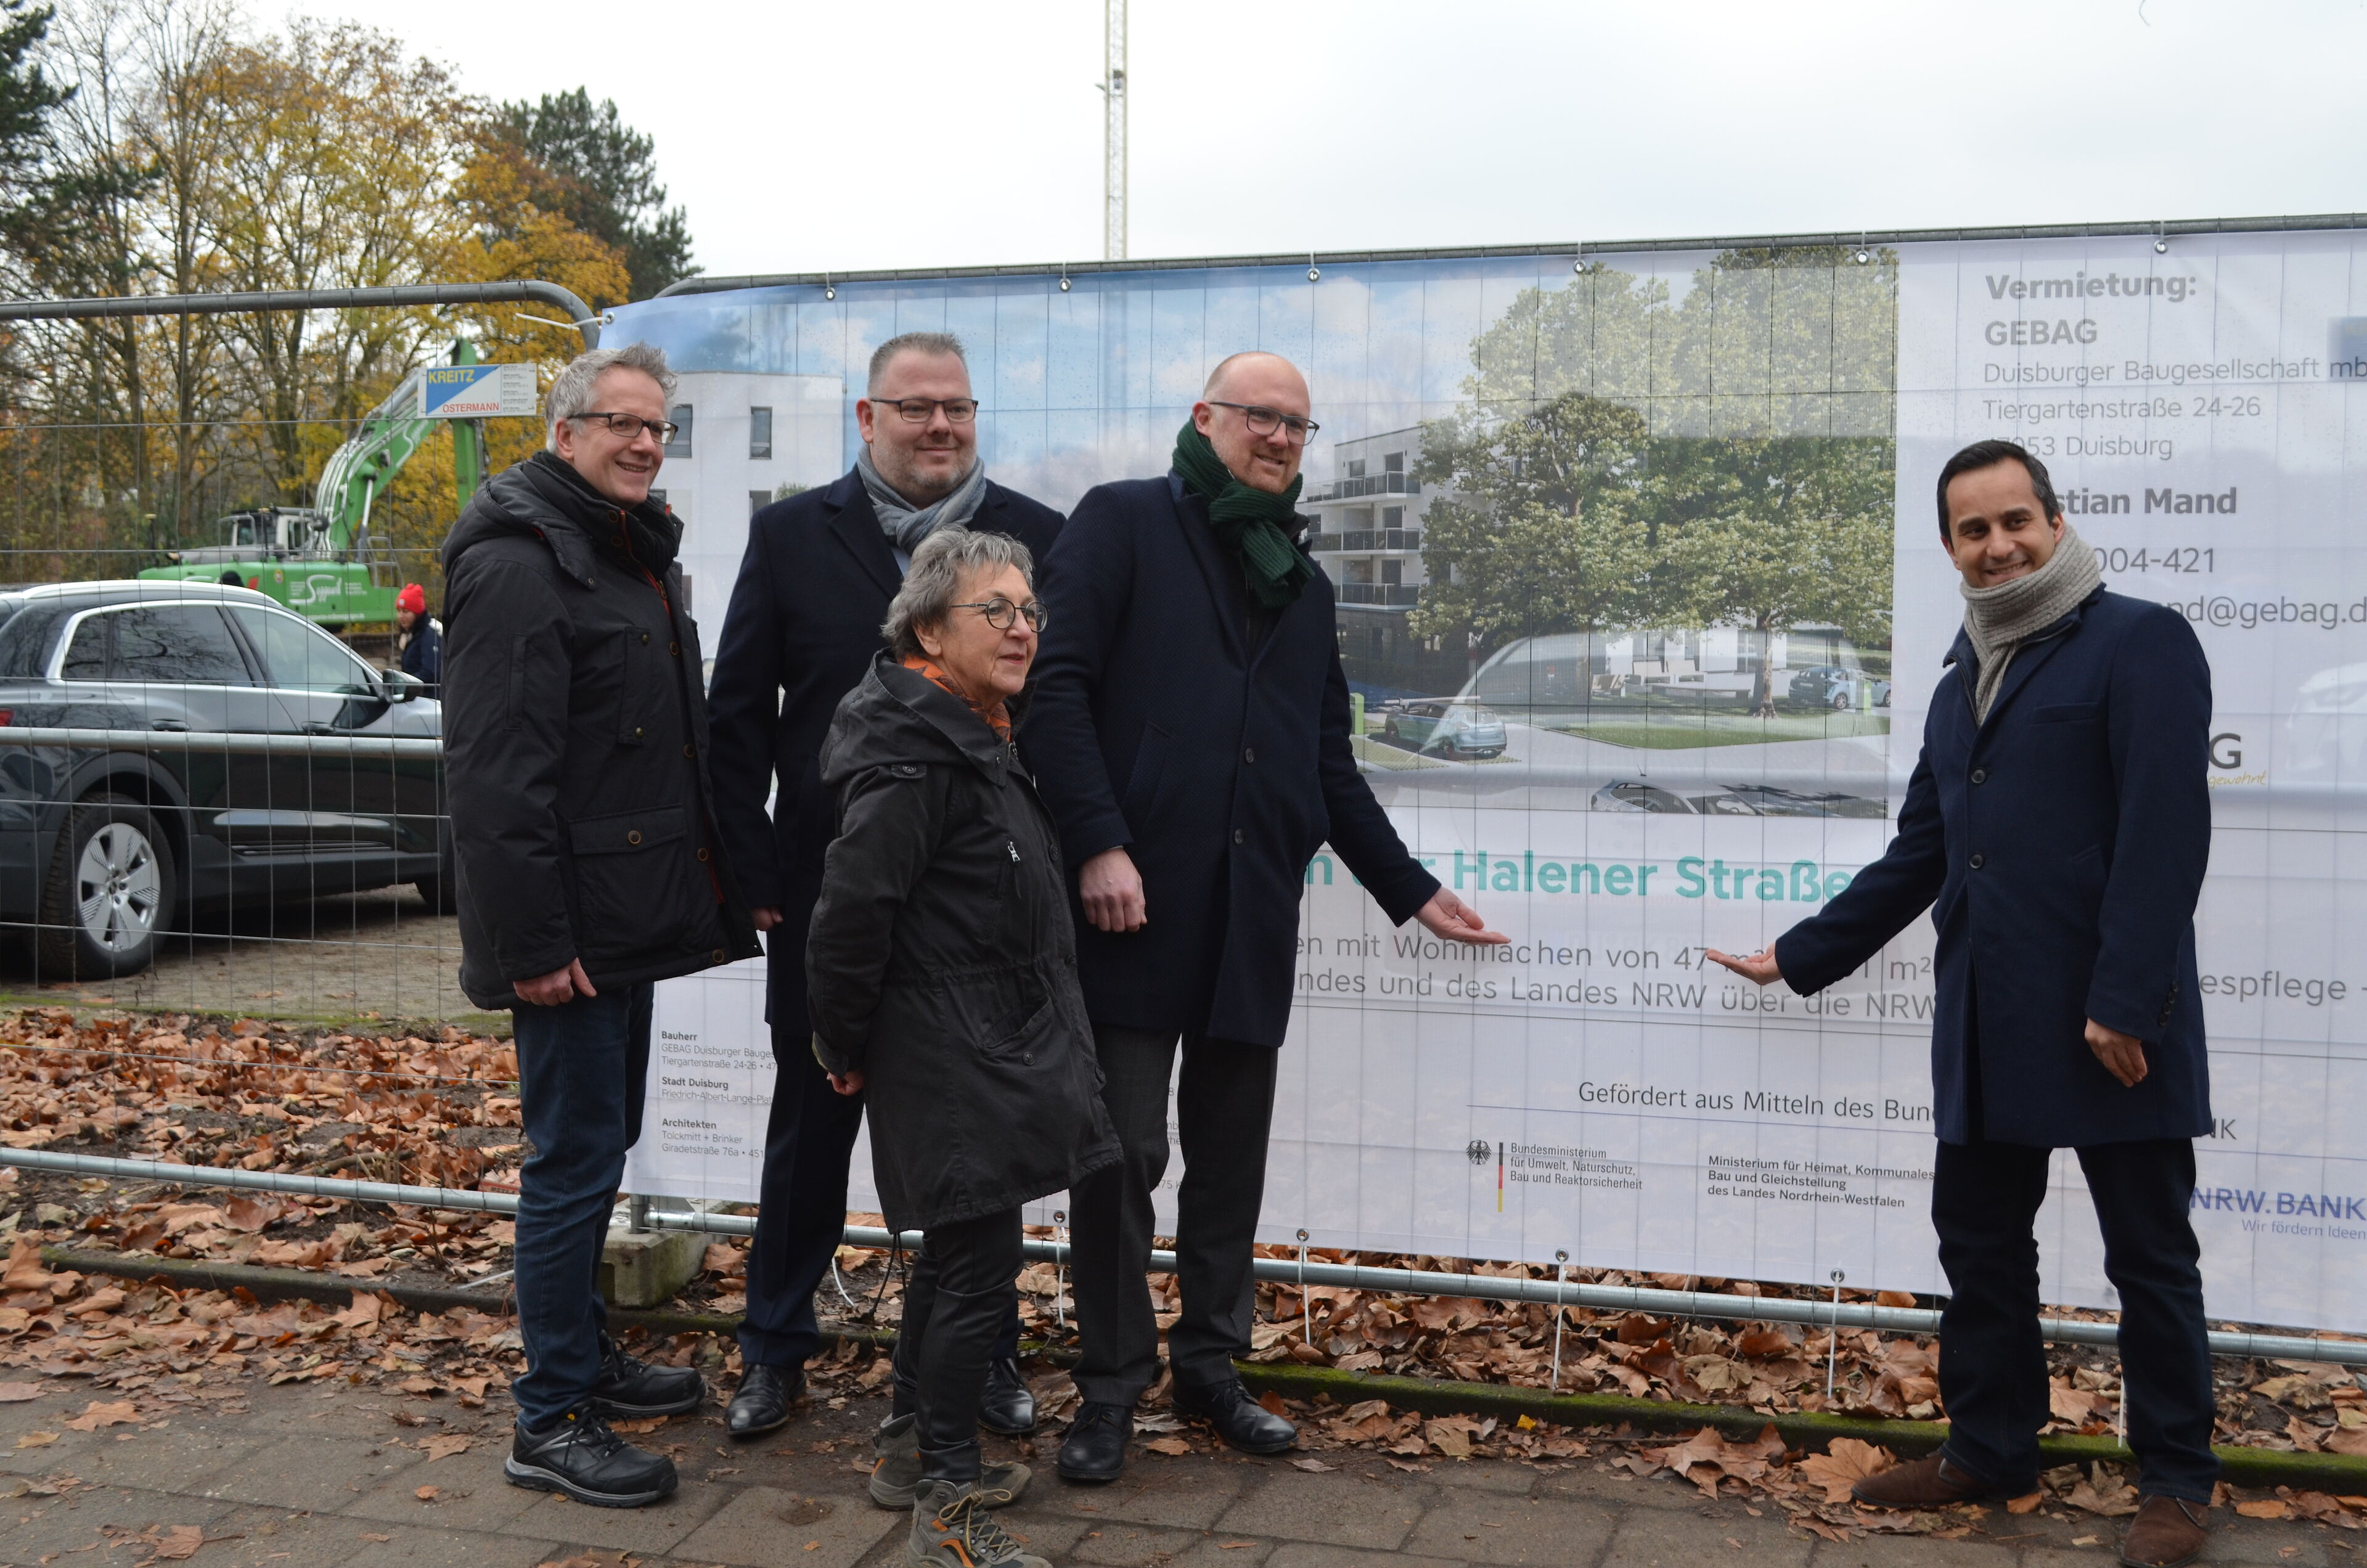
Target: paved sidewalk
point(298, 1477)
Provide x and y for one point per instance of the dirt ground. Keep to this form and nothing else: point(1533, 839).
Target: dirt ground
point(351, 958)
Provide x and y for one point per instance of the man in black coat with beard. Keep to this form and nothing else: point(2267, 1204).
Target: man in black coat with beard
point(1190, 732)
point(802, 629)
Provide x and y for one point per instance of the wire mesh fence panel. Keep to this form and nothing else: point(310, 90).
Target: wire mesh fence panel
point(216, 794)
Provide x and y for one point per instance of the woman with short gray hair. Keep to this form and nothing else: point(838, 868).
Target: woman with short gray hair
point(941, 982)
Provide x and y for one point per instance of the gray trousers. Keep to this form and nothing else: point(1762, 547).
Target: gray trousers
point(1224, 1106)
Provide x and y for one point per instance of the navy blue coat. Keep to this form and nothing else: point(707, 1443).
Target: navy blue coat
point(801, 632)
point(1236, 766)
point(2061, 848)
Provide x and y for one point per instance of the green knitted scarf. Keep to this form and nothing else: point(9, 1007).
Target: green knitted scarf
point(1255, 525)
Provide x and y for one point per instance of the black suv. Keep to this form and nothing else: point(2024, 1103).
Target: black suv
point(103, 844)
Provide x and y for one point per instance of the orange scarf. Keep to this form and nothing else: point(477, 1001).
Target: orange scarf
point(997, 717)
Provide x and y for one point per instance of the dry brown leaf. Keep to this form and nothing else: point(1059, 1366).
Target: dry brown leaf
point(1893, 1298)
point(2115, 1500)
point(428, 1493)
point(1845, 1462)
point(250, 1214)
point(179, 1541)
point(1312, 1466)
point(24, 1271)
point(35, 1440)
point(1168, 1446)
point(445, 1447)
point(2072, 1404)
point(94, 1415)
point(2347, 1440)
point(18, 1393)
point(2265, 1508)
point(2025, 1504)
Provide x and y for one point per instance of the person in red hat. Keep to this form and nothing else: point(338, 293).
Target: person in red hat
point(419, 637)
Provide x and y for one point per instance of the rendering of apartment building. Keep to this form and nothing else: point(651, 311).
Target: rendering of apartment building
point(1367, 538)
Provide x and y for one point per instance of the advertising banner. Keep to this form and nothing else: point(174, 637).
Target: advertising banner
point(1642, 595)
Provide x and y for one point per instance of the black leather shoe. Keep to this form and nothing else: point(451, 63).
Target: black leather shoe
point(763, 1399)
point(631, 1386)
point(580, 1456)
point(1241, 1421)
point(1095, 1447)
point(1007, 1409)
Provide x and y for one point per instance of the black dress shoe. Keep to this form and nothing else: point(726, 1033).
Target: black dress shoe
point(1241, 1421)
point(631, 1386)
point(1095, 1448)
point(762, 1402)
point(580, 1456)
point(1007, 1408)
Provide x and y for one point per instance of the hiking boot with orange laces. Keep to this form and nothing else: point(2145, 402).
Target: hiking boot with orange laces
point(952, 1528)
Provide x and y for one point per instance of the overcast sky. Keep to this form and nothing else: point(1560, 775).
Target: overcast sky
point(915, 133)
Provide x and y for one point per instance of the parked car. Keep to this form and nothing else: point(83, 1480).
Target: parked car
point(1448, 726)
point(1831, 686)
point(104, 847)
point(1733, 800)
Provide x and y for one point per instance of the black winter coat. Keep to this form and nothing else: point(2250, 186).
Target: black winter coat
point(1221, 767)
point(576, 743)
point(2060, 846)
point(802, 629)
point(942, 962)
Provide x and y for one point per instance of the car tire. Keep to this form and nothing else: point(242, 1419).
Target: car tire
point(109, 895)
point(1840, 702)
point(441, 891)
point(1389, 729)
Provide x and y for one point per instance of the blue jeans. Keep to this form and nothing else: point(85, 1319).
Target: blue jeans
point(580, 1067)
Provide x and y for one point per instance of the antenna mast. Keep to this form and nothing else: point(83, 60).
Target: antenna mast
point(1112, 87)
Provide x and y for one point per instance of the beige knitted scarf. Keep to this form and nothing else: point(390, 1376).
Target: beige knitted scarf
point(2000, 620)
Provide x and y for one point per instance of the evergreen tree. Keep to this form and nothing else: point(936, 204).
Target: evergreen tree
point(604, 175)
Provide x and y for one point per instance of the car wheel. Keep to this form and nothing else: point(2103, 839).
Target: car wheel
point(1840, 702)
point(109, 893)
point(1389, 729)
point(441, 891)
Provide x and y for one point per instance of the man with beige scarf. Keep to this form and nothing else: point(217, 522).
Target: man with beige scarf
point(2057, 826)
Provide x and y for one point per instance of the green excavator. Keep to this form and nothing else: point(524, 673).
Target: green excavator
point(322, 561)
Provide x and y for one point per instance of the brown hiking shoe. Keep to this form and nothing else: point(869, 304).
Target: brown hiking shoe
point(1931, 1483)
point(2166, 1533)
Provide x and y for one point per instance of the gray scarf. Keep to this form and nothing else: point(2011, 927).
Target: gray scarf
point(2000, 620)
point(907, 525)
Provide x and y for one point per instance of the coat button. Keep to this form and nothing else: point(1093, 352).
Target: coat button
point(1027, 1059)
point(690, 750)
point(1248, 753)
point(638, 732)
point(1980, 775)
point(720, 955)
point(702, 854)
point(1976, 863)
point(675, 649)
point(633, 837)
point(645, 639)
point(1239, 836)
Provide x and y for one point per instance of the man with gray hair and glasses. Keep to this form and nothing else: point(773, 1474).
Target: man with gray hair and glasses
point(820, 569)
point(576, 765)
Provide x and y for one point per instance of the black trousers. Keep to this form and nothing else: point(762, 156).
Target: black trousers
point(962, 1296)
point(1985, 1197)
point(801, 1212)
point(1224, 1106)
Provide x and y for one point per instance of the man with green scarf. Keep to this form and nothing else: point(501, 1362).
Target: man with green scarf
point(1189, 729)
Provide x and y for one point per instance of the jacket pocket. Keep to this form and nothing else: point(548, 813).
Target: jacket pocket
point(1149, 771)
point(638, 698)
point(2066, 713)
point(633, 888)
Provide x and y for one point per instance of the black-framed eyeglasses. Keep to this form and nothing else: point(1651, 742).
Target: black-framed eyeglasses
point(1002, 614)
point(630, 425)
point(1264, 421)
point(918, 411)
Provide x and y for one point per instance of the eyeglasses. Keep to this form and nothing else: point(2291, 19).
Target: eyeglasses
point(917, 410)
point(1002, 614)
point(1262, 420)
point(630, 425)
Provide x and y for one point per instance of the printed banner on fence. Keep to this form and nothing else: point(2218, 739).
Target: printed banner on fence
point(1668, 698)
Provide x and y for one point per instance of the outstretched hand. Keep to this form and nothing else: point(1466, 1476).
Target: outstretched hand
point(1759, 968)
point(1450, 918)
